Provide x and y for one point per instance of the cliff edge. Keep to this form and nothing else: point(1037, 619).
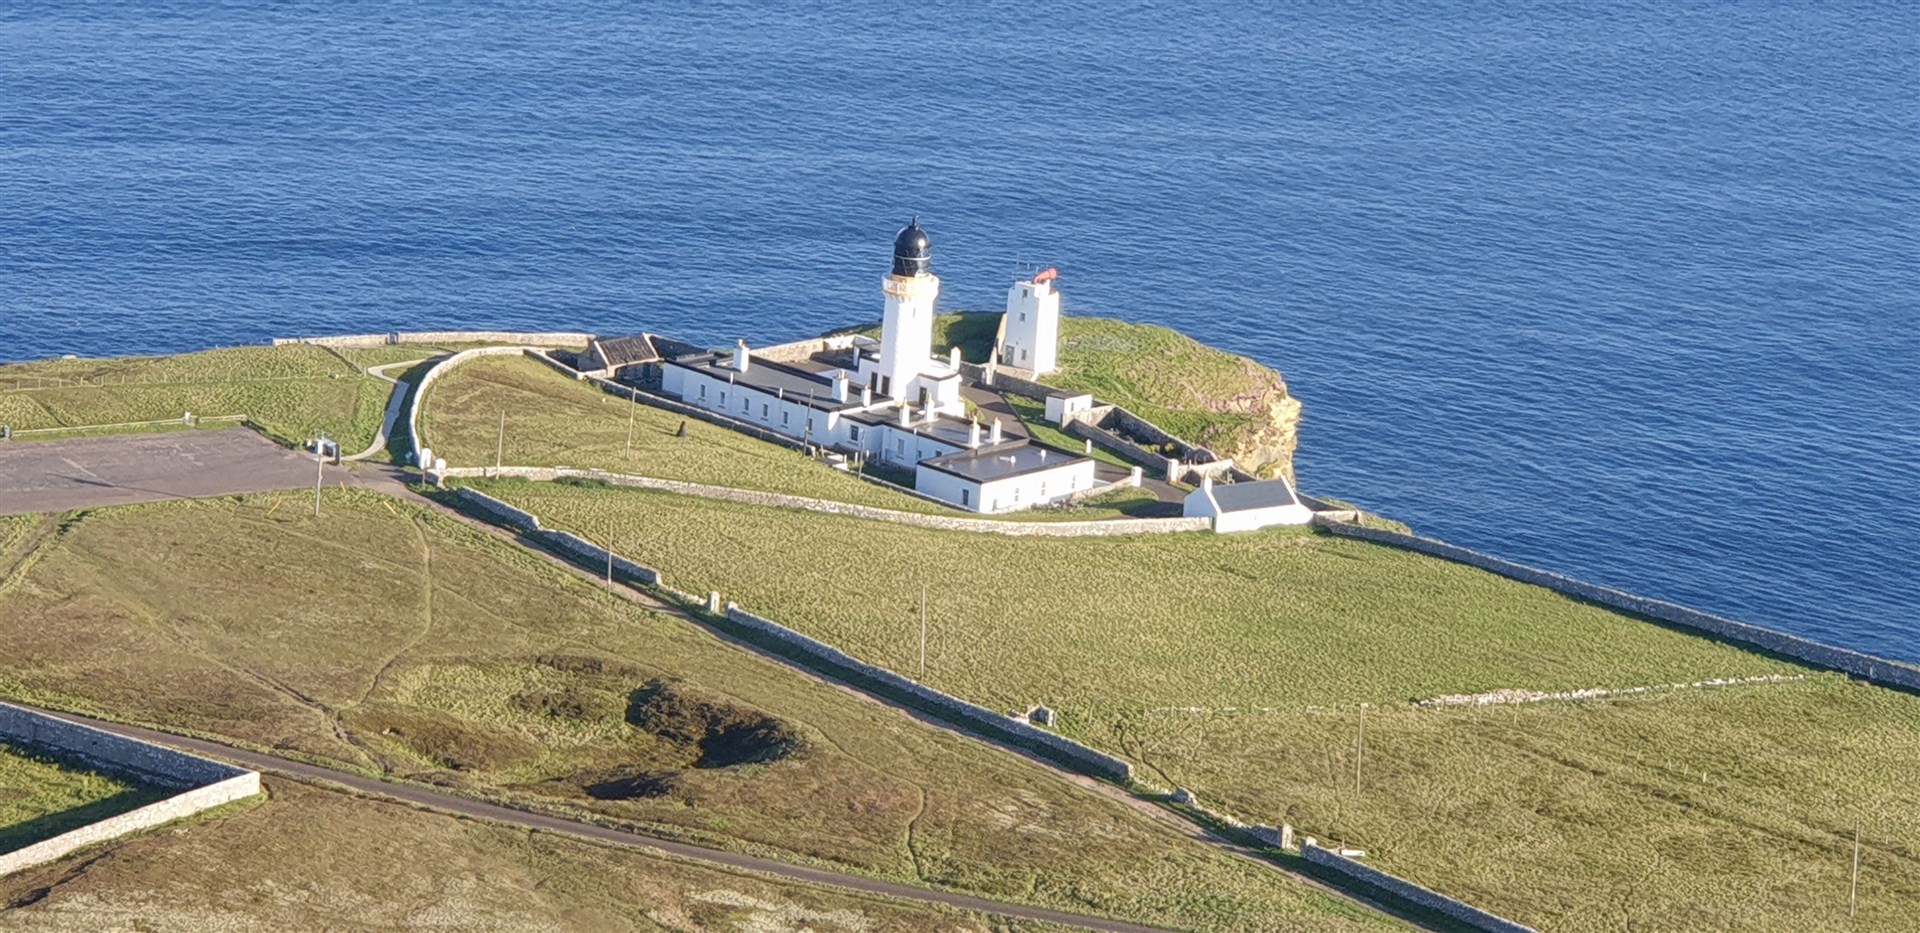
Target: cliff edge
point(1226, 403)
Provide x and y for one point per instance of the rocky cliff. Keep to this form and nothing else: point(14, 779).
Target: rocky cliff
point(1229, 404)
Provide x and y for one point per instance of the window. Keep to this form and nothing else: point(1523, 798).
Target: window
point(1023, 315)
point(1043, 489)
point(703, 390)
point(786, 418)
point(1016, 494)
point(900, 447)
point(746, 403)
point(763, 411)
point(966, 497)
point(1023, 353)
point(723, 399)
point(853, 433)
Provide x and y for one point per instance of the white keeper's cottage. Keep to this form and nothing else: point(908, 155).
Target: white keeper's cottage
point(892, 401)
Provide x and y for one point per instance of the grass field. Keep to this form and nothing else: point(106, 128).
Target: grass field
point(393, 640)
point(555, 421)
point(1256, 668)
point(1207, 396)
point(306, 858)
point(292, 392)
point(42, 797)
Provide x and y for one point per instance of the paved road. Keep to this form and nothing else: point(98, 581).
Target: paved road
point(88, 472)
point(449, 803)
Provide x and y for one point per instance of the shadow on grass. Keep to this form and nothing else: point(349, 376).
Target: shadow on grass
point(40, 829)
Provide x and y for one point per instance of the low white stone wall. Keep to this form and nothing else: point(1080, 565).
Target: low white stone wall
point(533, 338)
point(432, 376)
point(1406, 890)
point(208, 783)
point(338, 340)
point(818, 654)
point(1867, 667)
point(886, 683)
point(1015, 528)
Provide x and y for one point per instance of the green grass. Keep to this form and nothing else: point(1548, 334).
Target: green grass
point(42, 797)
point(1034, 416)
point(1247, 667)
point(291, 392)
point(306, 858)
point(390, 639)
point(1206, 396)
point(552, 420)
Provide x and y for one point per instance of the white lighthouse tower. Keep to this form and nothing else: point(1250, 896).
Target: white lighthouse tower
point(906, 331)
point(1030, 333)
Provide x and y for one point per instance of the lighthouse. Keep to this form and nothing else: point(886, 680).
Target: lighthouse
point(906, 330)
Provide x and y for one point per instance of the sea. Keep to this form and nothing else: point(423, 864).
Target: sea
point(1628, 290)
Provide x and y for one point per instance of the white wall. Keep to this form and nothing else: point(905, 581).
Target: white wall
point(906, 330)
point(1200, 504)
point(1032, 327)
point(1037, 488)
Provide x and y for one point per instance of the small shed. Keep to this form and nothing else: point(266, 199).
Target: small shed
point(1246, 506)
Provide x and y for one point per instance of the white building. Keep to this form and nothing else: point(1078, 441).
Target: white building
point(889, 401)
point(1030, 331)
point(1246, 506)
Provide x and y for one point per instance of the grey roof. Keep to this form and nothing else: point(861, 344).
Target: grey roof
point(623, 351)
point(764, 375)
point(999, 461)
point(1245, 497)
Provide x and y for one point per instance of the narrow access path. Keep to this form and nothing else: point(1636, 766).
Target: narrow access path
point(1167, 819)
point(462, 806)
point(397, 395)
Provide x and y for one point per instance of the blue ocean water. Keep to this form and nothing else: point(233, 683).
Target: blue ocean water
point(1628, 290)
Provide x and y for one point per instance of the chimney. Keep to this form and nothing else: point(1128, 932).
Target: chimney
point(953, 359)
point(740, 355)
point(840, 385)
point(866, 396)
point(973, 433)
point(994, 437)
point(932, 414)
point(1206, 483)
point(906, 417)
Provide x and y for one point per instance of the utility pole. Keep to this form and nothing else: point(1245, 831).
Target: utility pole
point(633, 402)
point(923, 632)
point(500, 445)
point(1853, 898)
point(319, 471)
point(1359, 753)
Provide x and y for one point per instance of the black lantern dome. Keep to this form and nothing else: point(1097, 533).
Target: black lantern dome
point(912, 251)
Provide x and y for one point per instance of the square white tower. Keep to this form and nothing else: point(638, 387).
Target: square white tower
point(1030, 333)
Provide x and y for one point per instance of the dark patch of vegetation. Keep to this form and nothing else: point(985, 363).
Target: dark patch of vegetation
point(445, 739)
point(725, 734)
point(587, 664)
point(629, 784)
point(568, 702)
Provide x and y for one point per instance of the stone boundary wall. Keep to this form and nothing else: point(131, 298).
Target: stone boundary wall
point(535, 338)
point(432, 376)
point(345, 341)
point(498, 511)
point(797, 350)
point(887, 683)
point(1118, 526)
point(353, 341)
point(586, 551)
point(816, 653)
point(1406, 890)
point(1867, 667)
point(207, 783)
point(1104, 413)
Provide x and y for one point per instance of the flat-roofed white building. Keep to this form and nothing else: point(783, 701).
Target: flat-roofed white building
point(845, 400)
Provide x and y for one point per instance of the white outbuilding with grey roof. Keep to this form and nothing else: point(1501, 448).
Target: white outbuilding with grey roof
point(1247, 506)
